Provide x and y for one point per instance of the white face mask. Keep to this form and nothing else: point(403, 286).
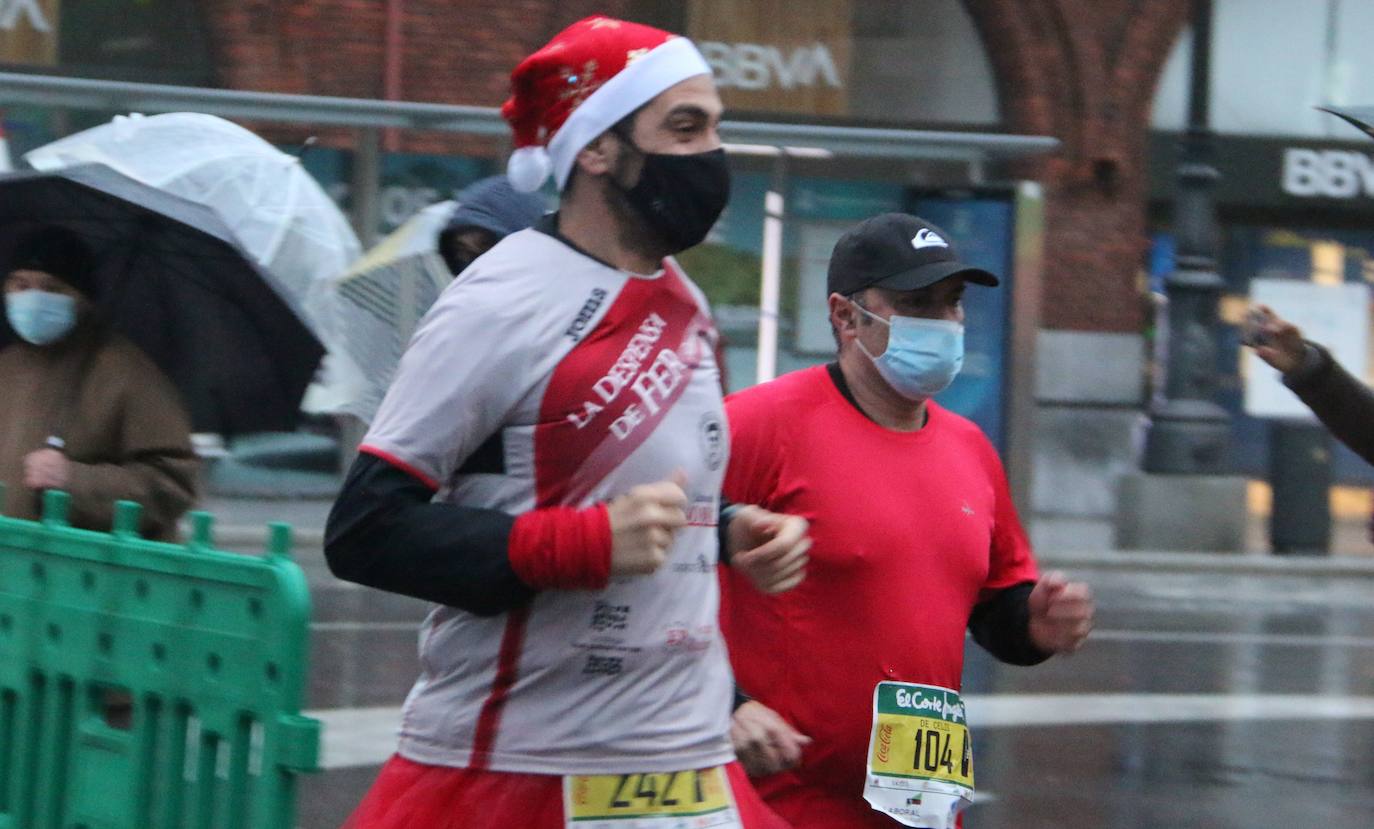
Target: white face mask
point(40, 317)
point(923, 356)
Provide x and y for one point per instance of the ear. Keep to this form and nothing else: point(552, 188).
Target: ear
point(843, 317)
point(598, 157)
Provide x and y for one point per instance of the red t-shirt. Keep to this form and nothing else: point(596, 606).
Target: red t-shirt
point(910, 530)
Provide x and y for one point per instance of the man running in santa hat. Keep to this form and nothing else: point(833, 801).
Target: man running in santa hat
point(546, 468)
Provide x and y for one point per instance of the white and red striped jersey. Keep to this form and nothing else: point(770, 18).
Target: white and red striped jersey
point(544, 377)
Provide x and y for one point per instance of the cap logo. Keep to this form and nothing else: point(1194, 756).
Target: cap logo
point(927, 238)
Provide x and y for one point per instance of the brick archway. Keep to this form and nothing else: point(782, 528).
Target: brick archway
point(1085, 72)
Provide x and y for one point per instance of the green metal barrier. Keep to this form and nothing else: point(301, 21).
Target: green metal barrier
point(146, 685)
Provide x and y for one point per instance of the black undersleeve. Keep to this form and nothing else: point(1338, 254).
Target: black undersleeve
point(385, 532)
point(1002, 626)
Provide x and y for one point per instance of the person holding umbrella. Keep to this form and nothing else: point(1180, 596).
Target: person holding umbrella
point(170, 276)
point(381, 298)
point(84, 409)
point(1340, 401)
point(487, 211)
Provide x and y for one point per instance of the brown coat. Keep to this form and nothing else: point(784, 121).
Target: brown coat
point(126, 432)
point(1342, 403)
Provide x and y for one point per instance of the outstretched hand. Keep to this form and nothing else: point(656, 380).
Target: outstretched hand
point(1281, 344)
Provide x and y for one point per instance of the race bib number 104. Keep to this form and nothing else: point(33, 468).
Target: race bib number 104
point(693, 799)
point(920, 763)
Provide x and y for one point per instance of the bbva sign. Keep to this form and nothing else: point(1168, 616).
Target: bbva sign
point(757, 67)
point(1333, 174)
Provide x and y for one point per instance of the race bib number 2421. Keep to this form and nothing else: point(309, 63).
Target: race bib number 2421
point(693, 799)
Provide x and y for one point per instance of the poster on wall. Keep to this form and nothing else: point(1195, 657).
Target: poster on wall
point(777, 55)
point(28, 31)
point(982, 230)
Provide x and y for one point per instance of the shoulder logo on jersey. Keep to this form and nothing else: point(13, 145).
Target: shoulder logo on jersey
point(712, 434)
point(585, 314)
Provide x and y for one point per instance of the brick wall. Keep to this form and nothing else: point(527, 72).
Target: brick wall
point(453, 52)
point(1085, 72)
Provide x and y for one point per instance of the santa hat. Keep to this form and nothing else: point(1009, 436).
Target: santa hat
point(583, 82)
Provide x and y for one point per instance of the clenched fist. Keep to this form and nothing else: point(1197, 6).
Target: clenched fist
point(769, 548)
point(1061, 614)
point(763, 741)
point(46, 469)
point(643, 522)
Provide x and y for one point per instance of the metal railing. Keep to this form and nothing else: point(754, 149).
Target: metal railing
point(857, 142)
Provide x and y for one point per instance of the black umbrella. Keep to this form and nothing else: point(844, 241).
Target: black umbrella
point(173, 279)
point(1362, 118)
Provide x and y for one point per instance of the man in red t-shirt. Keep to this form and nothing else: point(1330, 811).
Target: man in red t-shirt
point(855, 718)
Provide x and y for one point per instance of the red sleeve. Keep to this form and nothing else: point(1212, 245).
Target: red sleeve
point(1011, 561)
point(755, 456)
point(562, 547)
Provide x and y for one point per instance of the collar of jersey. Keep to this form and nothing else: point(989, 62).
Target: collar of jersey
point(548, 225)
point(840, 386)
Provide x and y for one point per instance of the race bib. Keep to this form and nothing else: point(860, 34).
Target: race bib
point(694, 799)
point(920, 763)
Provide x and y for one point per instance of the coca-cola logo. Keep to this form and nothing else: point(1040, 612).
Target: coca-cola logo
point(884, 743)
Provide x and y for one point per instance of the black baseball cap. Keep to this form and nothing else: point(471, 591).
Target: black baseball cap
point(896, 251)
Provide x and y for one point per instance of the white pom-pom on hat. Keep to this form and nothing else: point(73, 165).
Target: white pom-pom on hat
point(529, 168)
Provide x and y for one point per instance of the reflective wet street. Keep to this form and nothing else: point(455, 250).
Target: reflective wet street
point(1208, 701)
point(1225, 701)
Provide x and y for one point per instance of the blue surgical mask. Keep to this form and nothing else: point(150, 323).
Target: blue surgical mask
point(923, 356)
point(40, 317)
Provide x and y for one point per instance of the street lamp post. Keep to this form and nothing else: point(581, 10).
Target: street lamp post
point(1190, 433)
point(1183, 499)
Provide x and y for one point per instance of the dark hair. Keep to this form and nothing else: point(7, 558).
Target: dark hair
point(56, 250)
point(622, 129)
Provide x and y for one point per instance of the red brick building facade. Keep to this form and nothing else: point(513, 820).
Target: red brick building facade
point(1083, 71)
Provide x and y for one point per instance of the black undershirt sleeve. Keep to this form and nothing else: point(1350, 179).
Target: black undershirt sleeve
point(740, 699)
point(385, 532)
point(1002, 626)
point(726, 513)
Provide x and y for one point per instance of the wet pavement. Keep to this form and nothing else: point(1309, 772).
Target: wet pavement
point(1204, 699)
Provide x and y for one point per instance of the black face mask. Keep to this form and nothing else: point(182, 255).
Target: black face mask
point(681, 196)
